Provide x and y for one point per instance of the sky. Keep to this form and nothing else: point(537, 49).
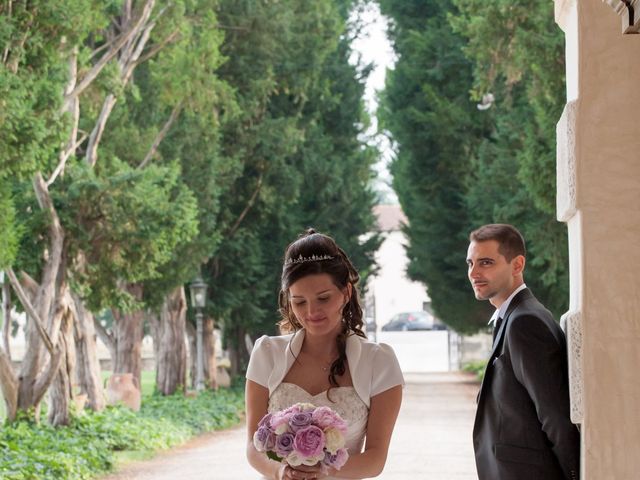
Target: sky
point(373, 47)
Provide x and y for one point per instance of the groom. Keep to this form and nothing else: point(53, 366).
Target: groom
point(522, 429)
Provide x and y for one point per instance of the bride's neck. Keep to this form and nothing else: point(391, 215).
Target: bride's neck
point(323, 347)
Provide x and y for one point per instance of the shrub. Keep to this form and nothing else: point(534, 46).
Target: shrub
point(87, 447)
point(477, 367)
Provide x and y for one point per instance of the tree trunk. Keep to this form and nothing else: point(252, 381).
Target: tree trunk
point(34, 379)
point(209, 343)
point(45, 310)
point(234, 353)
point(8, 385)
point(6, 317)
point(46, 307)
point(89, 378)
point(237, 349)
point(171, 350)
point(153, 320)
point(29, 368)
point(8, 380)
point(127, 334)
point(61, 390)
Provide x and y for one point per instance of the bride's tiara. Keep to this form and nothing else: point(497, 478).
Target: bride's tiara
point(312, 258)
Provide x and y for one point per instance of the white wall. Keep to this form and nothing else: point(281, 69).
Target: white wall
point(419, 351)
point(598, 196)
point(392, 290)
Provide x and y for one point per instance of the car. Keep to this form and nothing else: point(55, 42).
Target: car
point(409, 321)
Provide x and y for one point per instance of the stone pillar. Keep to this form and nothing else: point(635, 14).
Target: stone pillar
point(599, 199)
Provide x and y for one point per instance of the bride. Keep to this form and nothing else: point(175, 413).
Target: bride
point(325, 359)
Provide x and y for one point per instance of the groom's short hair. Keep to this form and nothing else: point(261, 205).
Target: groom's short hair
point(510, 240)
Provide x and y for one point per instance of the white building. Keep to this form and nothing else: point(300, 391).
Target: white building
point(390, 291)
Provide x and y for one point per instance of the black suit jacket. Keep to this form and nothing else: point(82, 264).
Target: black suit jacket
point(522, 429)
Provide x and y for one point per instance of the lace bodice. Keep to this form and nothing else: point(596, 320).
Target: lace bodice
point(343, 400)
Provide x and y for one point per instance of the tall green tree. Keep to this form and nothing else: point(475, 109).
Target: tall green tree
point(31, 75)
point(38, 87)
point(337, 161)
point(274, 53)
point(172, 115)
point(303, 162)
point(518, 55)
point(458, 167)
point(96, 224)
point(436, 128)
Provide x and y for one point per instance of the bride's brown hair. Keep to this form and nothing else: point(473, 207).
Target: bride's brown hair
point(308, 246)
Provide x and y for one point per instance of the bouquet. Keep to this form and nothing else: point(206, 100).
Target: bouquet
point(303, 434)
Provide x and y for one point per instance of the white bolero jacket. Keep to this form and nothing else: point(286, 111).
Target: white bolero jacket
point(374, 367)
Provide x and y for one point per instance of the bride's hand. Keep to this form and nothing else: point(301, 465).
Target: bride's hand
point(304, 472)
point(284, 472)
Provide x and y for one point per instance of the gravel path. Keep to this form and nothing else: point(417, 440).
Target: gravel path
point(432, 440)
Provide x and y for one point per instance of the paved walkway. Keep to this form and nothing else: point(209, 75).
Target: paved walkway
point(432, 440)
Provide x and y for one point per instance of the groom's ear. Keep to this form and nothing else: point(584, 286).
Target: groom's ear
point(517, 264)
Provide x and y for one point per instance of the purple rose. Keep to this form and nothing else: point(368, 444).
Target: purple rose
point(309, 441)
point(264, 439)
point(266, 421)
point(284, 444)
point(338, 460)
point(300, 420)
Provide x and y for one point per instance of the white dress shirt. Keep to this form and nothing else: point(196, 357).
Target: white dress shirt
point(500, 312)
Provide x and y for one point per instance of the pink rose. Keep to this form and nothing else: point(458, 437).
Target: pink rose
point(309, 441)
point(295, 408)
point(325, 418)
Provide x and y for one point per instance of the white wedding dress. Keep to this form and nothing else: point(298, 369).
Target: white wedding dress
point(343, 400)
point(374, 369)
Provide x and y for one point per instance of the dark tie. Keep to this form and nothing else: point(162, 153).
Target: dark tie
point(497, 328)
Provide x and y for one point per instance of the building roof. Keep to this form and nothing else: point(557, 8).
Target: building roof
point(390, 217)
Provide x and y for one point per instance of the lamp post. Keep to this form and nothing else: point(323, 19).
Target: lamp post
point(198, 300)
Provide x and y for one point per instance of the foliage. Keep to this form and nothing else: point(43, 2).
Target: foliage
point(518, 54)
point(32, 76)
point(31, 79)
point(180, 87)
point(456, 167)
point(131, 227)
point(10, 237)
point(477, 368)
point(297, 136)
point(425, 107)
point(240, 126)
point(87, 447)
